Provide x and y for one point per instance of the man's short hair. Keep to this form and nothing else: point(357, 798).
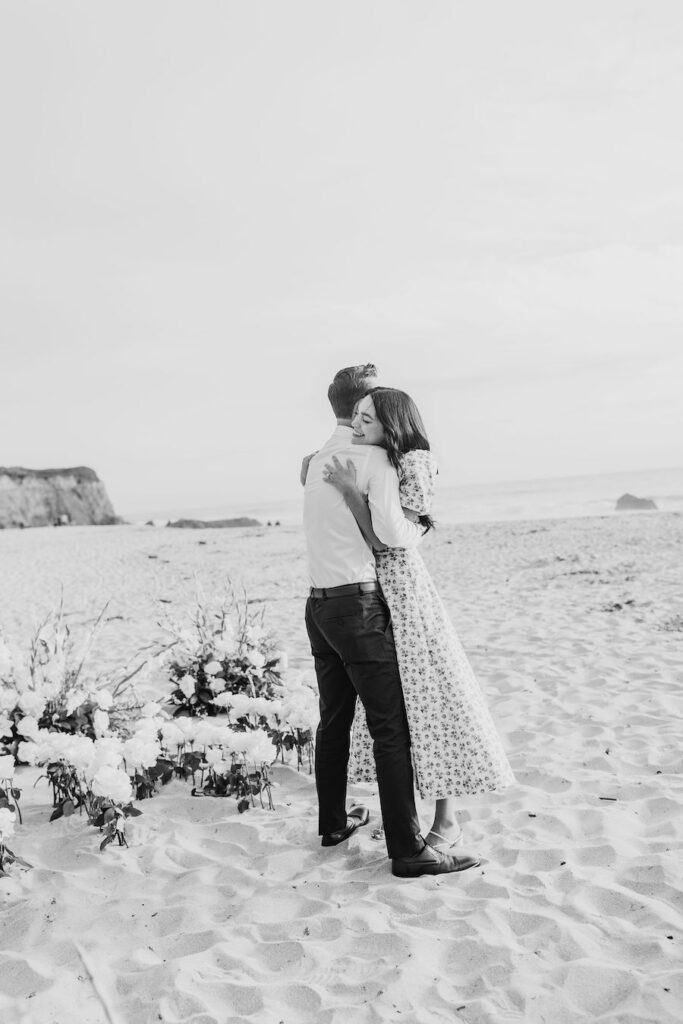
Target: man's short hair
point(349, 386)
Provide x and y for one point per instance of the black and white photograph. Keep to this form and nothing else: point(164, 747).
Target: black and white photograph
point(341, 512)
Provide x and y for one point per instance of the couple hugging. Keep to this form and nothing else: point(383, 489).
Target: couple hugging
point(399, 702)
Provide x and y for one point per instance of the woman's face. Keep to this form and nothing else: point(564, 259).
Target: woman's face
point(366, 427)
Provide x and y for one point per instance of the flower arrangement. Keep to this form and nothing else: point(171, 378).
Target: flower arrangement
point(235, 710)
point(225, 650)
point(226, 663)
point(56, 689)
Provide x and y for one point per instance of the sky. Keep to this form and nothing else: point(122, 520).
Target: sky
point(207, 208)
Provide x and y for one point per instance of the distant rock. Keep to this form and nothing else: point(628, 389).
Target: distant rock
point(51, 497)
point(629, 502)
point(212, 524)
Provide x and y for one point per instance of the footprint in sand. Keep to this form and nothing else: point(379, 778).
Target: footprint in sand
point(174, 947)
point(18, 979)
point(595, 989)
point(282, 907)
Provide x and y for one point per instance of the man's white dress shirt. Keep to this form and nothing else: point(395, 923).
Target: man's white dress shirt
point(337, 551)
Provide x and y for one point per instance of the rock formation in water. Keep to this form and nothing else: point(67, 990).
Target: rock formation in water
point(53, 497)
point(200, 524)
point(628, 502)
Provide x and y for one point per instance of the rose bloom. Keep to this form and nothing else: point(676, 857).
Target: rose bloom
point(5, 725)
point(6, 822)
point(139, 752)
point(107, 752)
point(212, 668)
point(32, 703)
point(6, 767)
point(28, 727)
point(8, 698)
point(173, 736)
point(100, 721)
point(74, 700)
point(256, 658)
point(187, 686)
point(112, 783)
point(104, 699)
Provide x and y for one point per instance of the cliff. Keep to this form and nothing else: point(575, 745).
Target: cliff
point(43, 497)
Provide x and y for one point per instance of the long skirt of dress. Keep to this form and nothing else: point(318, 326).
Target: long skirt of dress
point(456, 748)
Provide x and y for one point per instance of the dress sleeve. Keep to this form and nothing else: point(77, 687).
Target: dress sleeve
point(417, 481)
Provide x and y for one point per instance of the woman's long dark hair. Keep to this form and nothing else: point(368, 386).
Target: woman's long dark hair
point(404, 430)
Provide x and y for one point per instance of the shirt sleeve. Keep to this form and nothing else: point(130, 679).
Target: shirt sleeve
point(388, 521)
point(417, 480)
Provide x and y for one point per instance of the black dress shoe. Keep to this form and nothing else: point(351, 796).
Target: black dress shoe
point(355, 818)
point(431, 862)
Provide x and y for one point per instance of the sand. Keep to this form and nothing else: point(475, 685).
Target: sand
point(575, 629)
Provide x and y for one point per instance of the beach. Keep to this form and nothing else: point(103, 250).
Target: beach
point(575, 630)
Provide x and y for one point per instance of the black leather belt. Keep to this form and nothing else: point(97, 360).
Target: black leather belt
point(345, 590)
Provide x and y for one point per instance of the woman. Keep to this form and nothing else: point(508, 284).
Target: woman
point(456, 748)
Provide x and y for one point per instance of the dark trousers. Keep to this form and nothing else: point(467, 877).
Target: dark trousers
point(353, 647)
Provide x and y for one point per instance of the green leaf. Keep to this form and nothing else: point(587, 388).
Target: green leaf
point(243, 806)
point(68, 808)
point(106, 841)
point(57, 813)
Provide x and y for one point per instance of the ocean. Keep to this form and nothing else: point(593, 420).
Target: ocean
point(561, 497)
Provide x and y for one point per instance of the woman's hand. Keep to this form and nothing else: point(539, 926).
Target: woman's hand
point(304, 468)
point(341, 477)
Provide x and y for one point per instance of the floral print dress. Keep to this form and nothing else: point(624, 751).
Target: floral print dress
point(456, 749)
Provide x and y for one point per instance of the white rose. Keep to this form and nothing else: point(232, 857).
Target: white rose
point(256, 658)
point(222, 700)
point(112, 783)
point(100, 721)
point(8, 698)
point(187, 686)
point(79, 751)
point(172, 735)
point(212, 668)
point(74, 700)
point(206, 732)
point(239, 704)
point(213, 756)
point(107, 753)
point(104, 699)
point(28, 727)
point(6, 822)
point(32, 703)
point(6, 767)
point(139, 752)
point(28, 751)
point(188, 727)
point(253, 746)
point(5, 725)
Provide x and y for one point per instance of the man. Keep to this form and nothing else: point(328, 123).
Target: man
point(351, 640)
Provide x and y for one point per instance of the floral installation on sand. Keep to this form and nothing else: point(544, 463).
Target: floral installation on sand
point(56, 687)
point(234, 709)
point(226, 663)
